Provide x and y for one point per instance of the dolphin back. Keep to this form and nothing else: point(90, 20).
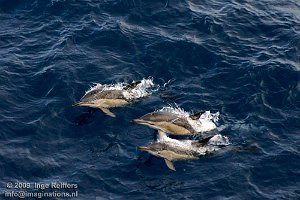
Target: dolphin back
point(102, 94)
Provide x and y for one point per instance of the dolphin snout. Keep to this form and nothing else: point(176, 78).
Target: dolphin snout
point(143, 148)
point(138, 121)
point(77, 103)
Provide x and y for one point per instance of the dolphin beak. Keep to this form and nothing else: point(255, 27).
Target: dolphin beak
point(143, 148)
point(77, 103)
point(137, 121)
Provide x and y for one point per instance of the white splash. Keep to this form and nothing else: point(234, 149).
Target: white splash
point(214, 144)
point(99, 86)
point(210, 116)
point(219, 140)
point(141, 90)
point(206, 122)
point(177, 110)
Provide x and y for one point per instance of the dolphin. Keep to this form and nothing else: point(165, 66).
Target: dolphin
point(175, 150)
point(176, 124)
point(105, 99)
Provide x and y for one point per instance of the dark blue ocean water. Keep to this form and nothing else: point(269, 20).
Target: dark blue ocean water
point(240, 58)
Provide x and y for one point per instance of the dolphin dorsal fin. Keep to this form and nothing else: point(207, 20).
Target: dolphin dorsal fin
point(196, 115)
point(170, 165)
point(131, 85)
point(203, 141)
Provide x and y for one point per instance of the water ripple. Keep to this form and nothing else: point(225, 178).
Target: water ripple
point(239, 58)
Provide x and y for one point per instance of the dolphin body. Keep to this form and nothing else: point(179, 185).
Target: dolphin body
point(176, 124)
point(175, 150)
point(105, 99)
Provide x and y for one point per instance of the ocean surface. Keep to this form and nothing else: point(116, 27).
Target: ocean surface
point(238, 58)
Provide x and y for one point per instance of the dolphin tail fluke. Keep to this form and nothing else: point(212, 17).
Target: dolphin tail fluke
point(170, 165)
point(108, 112)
